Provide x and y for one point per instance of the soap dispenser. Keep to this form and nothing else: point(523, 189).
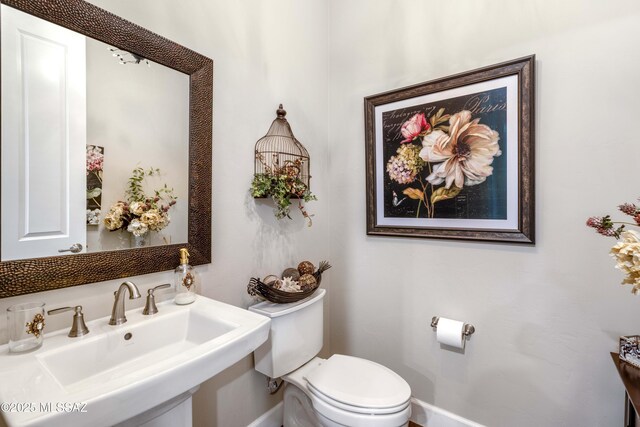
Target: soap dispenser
point(185, 279)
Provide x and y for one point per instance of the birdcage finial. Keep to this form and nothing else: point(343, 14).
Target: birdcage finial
point(281, 112)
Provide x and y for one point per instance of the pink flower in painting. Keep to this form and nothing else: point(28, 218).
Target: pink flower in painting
point(95, 158)
point(414, 127)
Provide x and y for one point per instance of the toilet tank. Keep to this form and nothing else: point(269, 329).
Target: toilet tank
point(295, 337)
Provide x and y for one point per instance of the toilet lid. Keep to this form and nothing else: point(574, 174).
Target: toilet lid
point(359, 382)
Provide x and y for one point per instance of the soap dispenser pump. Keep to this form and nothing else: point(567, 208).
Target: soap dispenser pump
point(185, 280)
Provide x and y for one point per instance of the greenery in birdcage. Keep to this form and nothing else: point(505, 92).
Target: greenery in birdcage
point(282, 183)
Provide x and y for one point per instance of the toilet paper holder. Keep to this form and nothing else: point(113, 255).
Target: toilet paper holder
point(467, 330)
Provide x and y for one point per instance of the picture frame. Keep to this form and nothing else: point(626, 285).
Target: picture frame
point(453, 158)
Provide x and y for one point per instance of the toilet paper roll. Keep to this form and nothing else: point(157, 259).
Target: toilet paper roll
point(449, 332)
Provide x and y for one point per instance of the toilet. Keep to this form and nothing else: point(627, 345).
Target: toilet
point(336, 392)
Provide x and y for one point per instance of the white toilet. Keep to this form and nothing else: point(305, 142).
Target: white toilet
point(339, 391)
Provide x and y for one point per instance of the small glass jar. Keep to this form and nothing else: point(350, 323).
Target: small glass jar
point(25, 323)
point(185, 280)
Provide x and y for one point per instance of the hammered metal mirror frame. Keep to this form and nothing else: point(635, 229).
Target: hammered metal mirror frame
point(42, 274)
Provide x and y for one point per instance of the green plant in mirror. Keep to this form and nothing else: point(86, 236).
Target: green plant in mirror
point(135, 191)
point(281, 184)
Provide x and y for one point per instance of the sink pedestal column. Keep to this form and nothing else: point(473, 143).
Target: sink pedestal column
point(172, 413)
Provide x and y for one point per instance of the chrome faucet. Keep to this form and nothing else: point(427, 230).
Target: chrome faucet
point(117, 314)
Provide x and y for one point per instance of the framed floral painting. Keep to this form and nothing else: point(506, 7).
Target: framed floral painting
point(95, 161)
point(453, 158)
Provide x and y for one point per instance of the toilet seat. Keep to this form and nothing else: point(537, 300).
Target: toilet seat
point(358, 385)
point(356, 409)
point(333, 416)
point(305, 409)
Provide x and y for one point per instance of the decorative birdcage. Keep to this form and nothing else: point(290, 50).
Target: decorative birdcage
point(279, 150)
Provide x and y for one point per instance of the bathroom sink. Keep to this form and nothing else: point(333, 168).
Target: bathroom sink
point(118, 372)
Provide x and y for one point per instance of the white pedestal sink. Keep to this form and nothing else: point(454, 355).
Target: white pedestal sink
point(143, 370)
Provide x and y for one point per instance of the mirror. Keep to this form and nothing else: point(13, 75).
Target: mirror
point(152, 113)
point(64, 95)
point(137, 116)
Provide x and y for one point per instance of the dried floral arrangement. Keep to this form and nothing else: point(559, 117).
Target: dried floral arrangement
point(140, 213)
point(282, 183)
point(627, 251)
point(292, 285)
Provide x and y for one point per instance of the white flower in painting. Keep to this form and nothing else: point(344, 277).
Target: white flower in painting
point(437, 137)
point(93, 216)
point(466, 153)
point(137, 228)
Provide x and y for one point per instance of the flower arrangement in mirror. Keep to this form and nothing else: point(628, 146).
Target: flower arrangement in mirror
point(141, 213)
point(627, 251)
point(282, 183)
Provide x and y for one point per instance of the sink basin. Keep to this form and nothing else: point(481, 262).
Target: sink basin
point(111, 356)
point(118, 372)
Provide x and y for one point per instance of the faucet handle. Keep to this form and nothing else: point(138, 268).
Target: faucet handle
point(78, 327)
point(150, 306)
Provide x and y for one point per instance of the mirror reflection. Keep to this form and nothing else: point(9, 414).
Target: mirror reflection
point(94, 144)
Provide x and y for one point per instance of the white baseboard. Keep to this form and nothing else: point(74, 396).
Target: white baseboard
point(422, 413)
point(272, 418)
point(427, 415)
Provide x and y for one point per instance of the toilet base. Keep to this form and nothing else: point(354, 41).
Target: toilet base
point(299, 412)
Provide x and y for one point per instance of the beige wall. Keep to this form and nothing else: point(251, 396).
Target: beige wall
point(546, 316)
point(264, 52)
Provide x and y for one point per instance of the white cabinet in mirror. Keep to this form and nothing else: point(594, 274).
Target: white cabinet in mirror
point(78, 117)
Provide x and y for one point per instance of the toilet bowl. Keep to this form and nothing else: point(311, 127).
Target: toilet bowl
point(337, 392)
point(345, 391)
